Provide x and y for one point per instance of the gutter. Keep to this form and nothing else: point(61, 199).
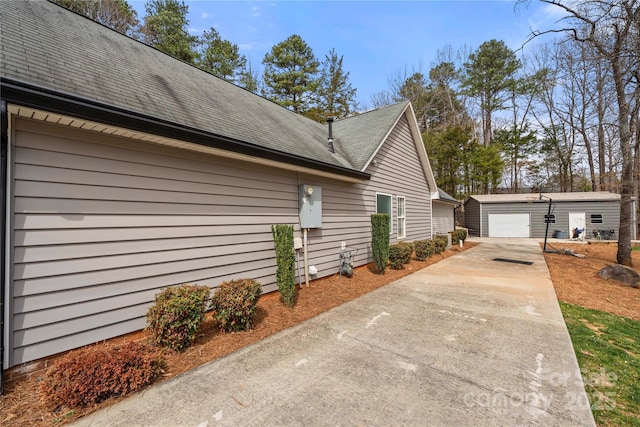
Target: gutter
point(4, 165)
point(38, 97)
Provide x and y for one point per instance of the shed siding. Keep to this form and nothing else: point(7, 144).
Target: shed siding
point(610, 211)
point(443, 218)
point(101, 224)
point(472, 217)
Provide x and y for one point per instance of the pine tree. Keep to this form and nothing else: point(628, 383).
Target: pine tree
point(166, 29)
point(489, 72)
point(220, 57)
point(290, 74)
point(336, 96)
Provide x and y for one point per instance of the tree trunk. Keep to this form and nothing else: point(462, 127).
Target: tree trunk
point(486, 131)
point(624, 235)
point(636, 171)
point(592, 168)
point(602, 166)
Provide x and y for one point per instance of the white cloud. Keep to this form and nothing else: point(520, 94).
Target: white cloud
point(255, 11)
point(205, 15)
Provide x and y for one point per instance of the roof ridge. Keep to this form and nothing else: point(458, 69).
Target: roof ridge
point(373, 110)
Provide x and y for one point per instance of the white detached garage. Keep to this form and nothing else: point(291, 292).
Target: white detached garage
point(523, 215)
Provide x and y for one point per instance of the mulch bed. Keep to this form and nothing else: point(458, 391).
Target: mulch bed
point(576, 280)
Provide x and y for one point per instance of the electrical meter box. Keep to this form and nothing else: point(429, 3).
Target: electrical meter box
point(310, 201)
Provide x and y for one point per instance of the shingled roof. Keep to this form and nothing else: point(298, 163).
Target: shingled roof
point(587, 196)
point(57, 56)
point(360, 133)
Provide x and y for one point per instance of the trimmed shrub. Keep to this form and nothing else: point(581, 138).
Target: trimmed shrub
point(407, 250)
point(424, 249)
point(380, 240)
point(285, 262)
point(94, 374)
point(440, 244)
point(396, 256)
point(175, 317)
point(457, 235)
point(234, 304)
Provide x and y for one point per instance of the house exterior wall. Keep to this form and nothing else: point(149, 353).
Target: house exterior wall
point(472, 216)
point(101, 224)
point(610, 211)
point(443, 217)
point(397, 171)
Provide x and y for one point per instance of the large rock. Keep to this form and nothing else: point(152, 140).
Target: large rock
point(621, 273)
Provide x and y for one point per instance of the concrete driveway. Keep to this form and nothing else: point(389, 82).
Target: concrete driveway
point(467, 341)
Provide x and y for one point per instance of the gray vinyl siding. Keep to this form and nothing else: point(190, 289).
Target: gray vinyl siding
point(610, 211)
point(443, 218)
point(397, 171)
point(101, 224)
point(472, 217)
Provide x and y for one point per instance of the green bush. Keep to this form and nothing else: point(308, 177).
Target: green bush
point(396, 256)
point(94, 374)
point(175, 317)
point(407, 250)
point(424, 249)
point(457, 235)
point(440, 244)
point(380, 240)
point(285, 262)
point(234, 304)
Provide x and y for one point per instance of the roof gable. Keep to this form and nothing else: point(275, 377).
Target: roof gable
point(362, 136)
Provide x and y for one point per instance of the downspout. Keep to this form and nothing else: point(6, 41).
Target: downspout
point(4, 165)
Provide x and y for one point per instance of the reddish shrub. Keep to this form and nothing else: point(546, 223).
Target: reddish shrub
point(94, 374)
point(235, 304)
point(177, 314)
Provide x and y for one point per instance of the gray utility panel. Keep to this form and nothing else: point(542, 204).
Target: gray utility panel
point(310, 198)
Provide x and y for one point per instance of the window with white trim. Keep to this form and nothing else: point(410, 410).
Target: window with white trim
point(383, 206)
point(402, 218)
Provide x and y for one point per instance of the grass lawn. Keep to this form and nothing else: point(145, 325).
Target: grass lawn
point(608, 351)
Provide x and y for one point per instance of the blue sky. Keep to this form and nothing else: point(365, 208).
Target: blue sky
point(378, 39)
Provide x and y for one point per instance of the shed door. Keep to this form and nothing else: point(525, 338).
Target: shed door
point(509, 225)
point(577, 220)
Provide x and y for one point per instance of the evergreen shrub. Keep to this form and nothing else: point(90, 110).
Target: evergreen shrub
point(407, 251)
point(380, 240)
point(285, 262)
point(440, 244)
point(424, 249)
point(458, 235)
point(234, 304)
point(396, 256)
point(176, 315)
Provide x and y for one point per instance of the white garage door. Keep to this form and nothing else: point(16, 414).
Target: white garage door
point(509, 225)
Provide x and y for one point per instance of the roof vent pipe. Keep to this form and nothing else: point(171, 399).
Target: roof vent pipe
point(330, 120)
